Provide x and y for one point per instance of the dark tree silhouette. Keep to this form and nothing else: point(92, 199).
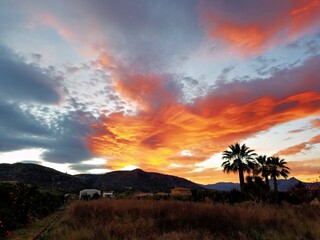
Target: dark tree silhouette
point(277, 168)
point(255, 188)
point(263, 168)
point(239, 159)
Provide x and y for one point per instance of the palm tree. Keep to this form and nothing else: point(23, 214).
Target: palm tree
point(238, 159)
point(263, 168)
point(277, 168)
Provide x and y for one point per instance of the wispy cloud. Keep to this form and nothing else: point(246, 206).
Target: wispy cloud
point(250, 27)
point(299, 148)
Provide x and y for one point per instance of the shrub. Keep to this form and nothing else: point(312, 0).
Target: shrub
point(21, 203)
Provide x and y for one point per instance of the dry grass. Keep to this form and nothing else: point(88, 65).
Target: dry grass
point(147, 219)
point(33, 229)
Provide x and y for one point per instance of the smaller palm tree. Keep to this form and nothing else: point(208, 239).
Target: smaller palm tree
point(263, 168)
point(277, 168)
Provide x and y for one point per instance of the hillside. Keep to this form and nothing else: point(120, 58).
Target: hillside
point(141, 180)
point(223, 186)
point(283, 185)
point(42, 176)
point(118, 180)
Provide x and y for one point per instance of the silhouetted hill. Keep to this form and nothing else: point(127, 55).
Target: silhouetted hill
point(118, 180)
point(141, 180)
point(43, 176)
point(283, 185)
point(90, 179)
point(223, 186)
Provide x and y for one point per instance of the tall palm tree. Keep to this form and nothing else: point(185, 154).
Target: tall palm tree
point(263, 168)
point(277, 168)
point(238, 159)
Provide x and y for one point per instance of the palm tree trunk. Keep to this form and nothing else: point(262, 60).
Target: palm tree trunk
point(241, 178)
point(267, 182)
point(275, 185)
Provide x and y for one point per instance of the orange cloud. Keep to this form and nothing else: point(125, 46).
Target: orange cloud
point(156, 135)
point(69, 31)
point(304, 146)
point(252, 27)
point(63, 30)
point(307, 170)
point(315, 123)
point(294, 149)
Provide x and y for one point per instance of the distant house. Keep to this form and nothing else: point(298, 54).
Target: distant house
point(107, 194)
point(162, 194)
point(181, 192)
point(143, 194)
point(88, 194)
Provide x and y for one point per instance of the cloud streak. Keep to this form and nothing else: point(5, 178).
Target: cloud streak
point(252, 27)
point(299, 148)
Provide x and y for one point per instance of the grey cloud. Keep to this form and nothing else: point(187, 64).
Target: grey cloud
point(85, 167)
point(14, 121)
point(69, 142)
point(25, 82)
point(145, 35)
point(223, 76)
point(36, 56)
point(31, 161)
point(64, 139)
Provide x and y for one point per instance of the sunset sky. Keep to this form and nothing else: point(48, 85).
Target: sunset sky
point(162, 85)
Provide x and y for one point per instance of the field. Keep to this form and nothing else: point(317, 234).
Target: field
point(150, 219)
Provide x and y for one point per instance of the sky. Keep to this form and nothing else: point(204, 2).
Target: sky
point(165, 86)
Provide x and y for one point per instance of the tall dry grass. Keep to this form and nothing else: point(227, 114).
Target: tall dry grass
point(147, 219)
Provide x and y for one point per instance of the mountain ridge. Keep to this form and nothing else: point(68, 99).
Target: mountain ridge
point(118, 180)
point(283, 185)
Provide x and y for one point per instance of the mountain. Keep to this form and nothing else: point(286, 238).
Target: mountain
point(90, 179)
point(223, 186)
point(141, 180)
point(283, 185)
point(43, 176)
point(118, 180)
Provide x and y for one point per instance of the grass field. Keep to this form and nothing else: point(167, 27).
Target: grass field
point(147, 219)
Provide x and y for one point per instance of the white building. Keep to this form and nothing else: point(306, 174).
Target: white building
point(88, 193)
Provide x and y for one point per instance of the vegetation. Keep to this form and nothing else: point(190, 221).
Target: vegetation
point(21, 204)
point(241, 158)
point(263, 169)
point(148, 219)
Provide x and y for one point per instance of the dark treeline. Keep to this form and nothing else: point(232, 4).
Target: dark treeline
point(21, 204)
